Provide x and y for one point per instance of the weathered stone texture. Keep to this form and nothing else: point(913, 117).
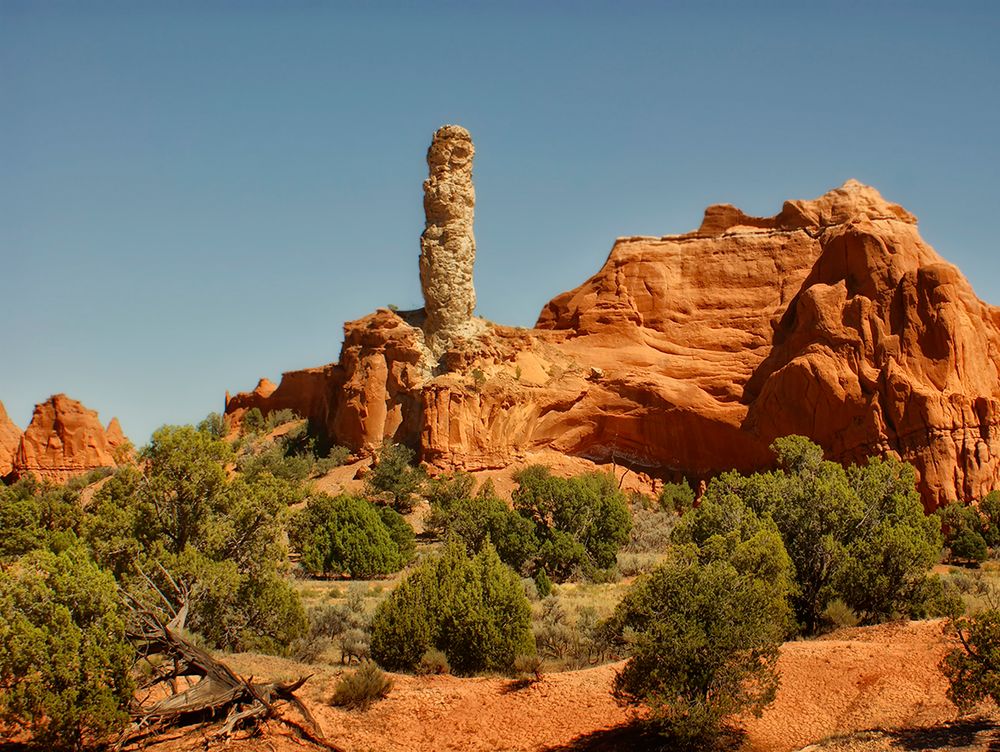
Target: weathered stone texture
point(448, 245)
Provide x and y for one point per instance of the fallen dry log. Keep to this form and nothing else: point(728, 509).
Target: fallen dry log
point(216, 694)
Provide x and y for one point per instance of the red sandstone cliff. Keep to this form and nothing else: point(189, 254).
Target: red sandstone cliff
point(10, 437)
point(691, 353)
point(65, 439)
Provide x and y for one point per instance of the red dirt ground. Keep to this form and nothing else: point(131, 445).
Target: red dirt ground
point(874, 678)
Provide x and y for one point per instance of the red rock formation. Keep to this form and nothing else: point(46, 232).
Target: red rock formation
point(10, 437)
point(691, 353)
point(65, 439)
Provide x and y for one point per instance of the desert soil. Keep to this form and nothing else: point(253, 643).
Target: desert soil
point(874, 680)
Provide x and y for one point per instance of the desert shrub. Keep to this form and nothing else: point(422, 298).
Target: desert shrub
point(704, 642)
point(277, 418)
point(891, 550)
point(360, 688)
point(444, 490)
point(581, 522)
point(394, 478)
point(963, 528)
point(215, 425)
point(941, 598)
point(838, 615)
point(333, 620)
point(36, 515)
point(335, 457)
point(972, 666)
point(177, 517)
point(857, 534)
point(530, 667)
point(630, 565)
point(64, 658)
point(555, 636)
point(275, 460)
point(543, 584)
point(433, 661)
point(989, 509)
point(676, 497)
point(651, 530)
point(355, 645)
point(348, 535)
point(253, 422)
point(470, 607)
point(400, 532)
point(485, 517)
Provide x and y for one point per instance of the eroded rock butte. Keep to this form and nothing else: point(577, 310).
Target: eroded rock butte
point(689, 354)
point(65, 439)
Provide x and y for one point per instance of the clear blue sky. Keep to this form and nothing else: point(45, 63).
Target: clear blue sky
point(197, 194)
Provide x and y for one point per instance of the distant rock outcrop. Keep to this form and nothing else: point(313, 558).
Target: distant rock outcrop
point(65, 439)
point(10, 437)
point(689, 354)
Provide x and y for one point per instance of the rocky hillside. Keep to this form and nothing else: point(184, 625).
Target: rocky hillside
point(685, 354)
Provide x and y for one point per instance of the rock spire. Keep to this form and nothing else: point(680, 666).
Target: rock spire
point(447, 245)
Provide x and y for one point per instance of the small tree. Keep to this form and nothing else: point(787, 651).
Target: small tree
point(485, 517)
point(347, 535)
point(253, 421)
point(972, 667)
point(178, 516)
point(581, 522)
point(964, 530)
point(471, 608)
point(64, 660)
point(704, 642)
point(395, 477)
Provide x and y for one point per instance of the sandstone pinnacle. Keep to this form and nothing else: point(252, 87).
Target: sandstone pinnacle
point(447, 245)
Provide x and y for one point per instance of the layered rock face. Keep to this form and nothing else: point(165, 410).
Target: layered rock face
point(689, 354)
point(10, 437)
point(448, 245)
point(65, 439)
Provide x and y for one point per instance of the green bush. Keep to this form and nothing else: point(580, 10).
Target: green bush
point(215, 425)
point(989, 508)
point(277, 418)
point(400, 532)
point(858, 534)
point(676, 497)
point(274, 460)
point(704, 641)
point(348, 535)
point(177, 517)
point(36, 515)
point(543, 584)
point(393, 477)
point(964, 529)
point(581, 522)
point(253, 422)
point(359, 689)
point(485, 517)
point(336, 457)
point(64, 659)
point(972, 666)
point(471, 608)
